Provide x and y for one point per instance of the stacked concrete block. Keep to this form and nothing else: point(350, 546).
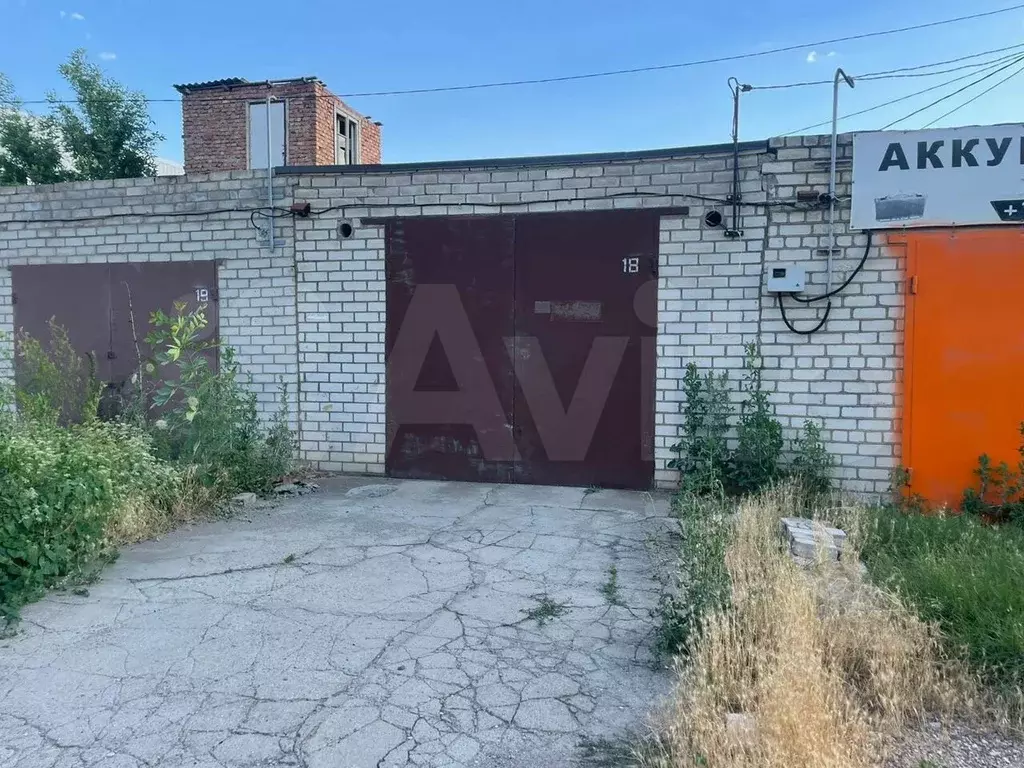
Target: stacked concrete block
point(811, 540)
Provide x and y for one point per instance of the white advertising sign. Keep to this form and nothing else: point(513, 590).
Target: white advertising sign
point(962, 176)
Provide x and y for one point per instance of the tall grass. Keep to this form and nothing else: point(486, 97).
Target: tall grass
point(966, 576)
point(817, 665)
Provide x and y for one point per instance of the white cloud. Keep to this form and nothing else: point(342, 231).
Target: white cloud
point(77, 16)
point(812, 57)
point(63, 14)
point(831, 54)
point(108, 55)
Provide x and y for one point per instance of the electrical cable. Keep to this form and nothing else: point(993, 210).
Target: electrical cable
point(824, 296)
point(283, 212)
point(793, 328)
point(105, 216)
point(900, 70)
point(652, 68)
point(888, 103)
point(954, 93)
point(974, 98)
point(846, 283)
point(697, 62)
point(905, 72)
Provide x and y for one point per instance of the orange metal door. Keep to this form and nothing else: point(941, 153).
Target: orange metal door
point(964, 369)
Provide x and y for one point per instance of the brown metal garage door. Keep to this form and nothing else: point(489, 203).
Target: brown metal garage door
point(95, 304)
point(521, 348)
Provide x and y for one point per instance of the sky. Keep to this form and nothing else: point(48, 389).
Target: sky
point(401, 44)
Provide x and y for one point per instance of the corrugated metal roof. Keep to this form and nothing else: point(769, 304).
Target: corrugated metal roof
point(226, 83)
point(234, 82)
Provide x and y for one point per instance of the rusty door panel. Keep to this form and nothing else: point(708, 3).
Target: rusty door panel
point(521, 348)
point(76, 296)
point(138, 290)
point(95, 303)
point(586, 316)
point(449, 380)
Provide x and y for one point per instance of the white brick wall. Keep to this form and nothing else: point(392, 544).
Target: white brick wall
point(342, 314)
point(847, 375)
point(313, 314)
point(256, 288)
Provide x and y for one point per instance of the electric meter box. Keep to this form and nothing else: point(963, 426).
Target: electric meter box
point(786, 278)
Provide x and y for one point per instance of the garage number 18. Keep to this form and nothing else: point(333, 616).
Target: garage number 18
point(630, 266)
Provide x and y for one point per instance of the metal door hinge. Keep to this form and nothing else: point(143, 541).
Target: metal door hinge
point(912, 287)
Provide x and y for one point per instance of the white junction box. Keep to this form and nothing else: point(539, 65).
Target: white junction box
point(786, 278)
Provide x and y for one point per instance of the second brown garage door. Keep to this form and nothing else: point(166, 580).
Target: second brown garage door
point(521, 348)
point(95, 304)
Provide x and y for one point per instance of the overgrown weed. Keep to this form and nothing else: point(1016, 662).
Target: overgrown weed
point(818, 663)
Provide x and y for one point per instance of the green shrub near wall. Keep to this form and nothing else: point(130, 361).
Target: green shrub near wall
point(70, 492)
point(713, 466)
point(59, 488)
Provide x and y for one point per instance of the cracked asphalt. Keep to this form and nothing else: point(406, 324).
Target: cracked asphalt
point(377, 623)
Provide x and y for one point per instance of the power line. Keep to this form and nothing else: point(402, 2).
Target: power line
point(909, 71)
point(897, 72)
point(974, 98)
point(890, 102)
point(694, 63)
point(954, 93)
point(653, 68)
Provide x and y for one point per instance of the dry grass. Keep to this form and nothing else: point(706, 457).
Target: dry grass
point(138, 519)
point(820, 665)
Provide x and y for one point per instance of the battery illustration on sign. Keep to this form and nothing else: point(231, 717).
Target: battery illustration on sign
point(971, 175)
point(1010, 210)
point(900, 207)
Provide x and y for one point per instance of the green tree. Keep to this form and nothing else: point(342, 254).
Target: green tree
point(104, 133)
point(29, 146)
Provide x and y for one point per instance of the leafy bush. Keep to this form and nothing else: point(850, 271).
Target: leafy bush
point(755, 462)
point(211, 420)
point(999, 496)
point(709, 467)
point(71, 491)
point(703, 452)
point(812, 464)
point(961, 573)
point(59, 489)
point(54, 384)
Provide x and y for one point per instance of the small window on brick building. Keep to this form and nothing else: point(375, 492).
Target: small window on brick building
point(258, 134)
point(346, 140)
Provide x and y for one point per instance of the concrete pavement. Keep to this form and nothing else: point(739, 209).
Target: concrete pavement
point(377, 623)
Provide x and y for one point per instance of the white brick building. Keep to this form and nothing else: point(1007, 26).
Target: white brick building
point(313, 313)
